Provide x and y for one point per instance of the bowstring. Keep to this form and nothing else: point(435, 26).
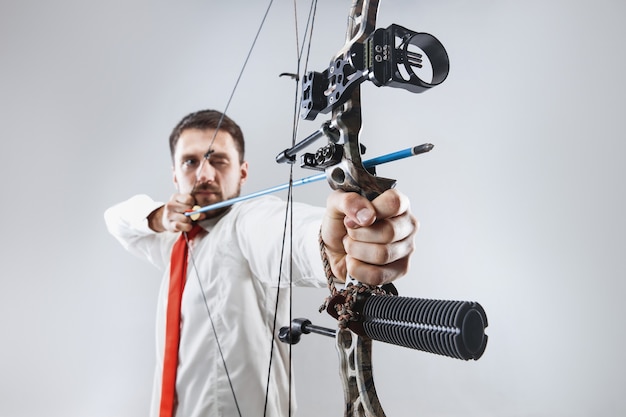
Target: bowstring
point(208, 310)
point(234, 89)
point(204, 160)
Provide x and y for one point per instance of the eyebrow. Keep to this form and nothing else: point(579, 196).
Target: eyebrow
point(212, 154)
point(222, 156)
point(187, 156)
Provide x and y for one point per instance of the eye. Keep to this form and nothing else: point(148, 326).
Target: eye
point(218, 161)
point(190, 164)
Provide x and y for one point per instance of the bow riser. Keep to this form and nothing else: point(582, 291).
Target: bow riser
point(354, 350)
point(349, 174)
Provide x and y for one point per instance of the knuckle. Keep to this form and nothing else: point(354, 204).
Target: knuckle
point(380, 279)
point(384, 254)
point(393, 201)
point(403, 267)
point(415, 223)
point(388, 232)
point(353, 203)
point(411, 248)
point(396, 201)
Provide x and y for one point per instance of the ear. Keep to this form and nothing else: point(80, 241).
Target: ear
point(174, 177)
point(243, 172)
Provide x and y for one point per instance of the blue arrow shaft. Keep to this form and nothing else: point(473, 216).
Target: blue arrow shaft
point(383, 159)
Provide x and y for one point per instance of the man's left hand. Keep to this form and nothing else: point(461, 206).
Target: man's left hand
point(370, 241)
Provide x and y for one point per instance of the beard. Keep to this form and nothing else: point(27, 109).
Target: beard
point(206, 194)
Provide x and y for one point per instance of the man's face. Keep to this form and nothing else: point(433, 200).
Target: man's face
point(209, 181)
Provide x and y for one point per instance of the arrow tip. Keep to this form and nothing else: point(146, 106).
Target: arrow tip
point(426, 147)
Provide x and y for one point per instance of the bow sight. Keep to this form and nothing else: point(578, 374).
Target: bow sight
point(393, 57)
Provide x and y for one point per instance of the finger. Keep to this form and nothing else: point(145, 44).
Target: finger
point(178, 222)
point(333, 225)
point(374, 274)
point(186, 200)
point(391, 203)
point(179, 203)
point(174, 218)
point(350, 208)
point(388, 230)
point(379, 254)
point(337, 264)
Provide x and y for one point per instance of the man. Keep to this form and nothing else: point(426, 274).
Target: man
point(229, 298)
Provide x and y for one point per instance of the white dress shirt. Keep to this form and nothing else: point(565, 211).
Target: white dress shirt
point(235, 276)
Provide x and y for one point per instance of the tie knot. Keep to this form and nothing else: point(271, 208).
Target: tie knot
point(194, 231)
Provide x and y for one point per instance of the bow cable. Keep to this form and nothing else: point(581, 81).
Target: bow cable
point(204, 160)
point(208, 311)
point(289, 208)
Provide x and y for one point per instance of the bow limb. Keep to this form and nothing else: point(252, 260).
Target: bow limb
point(361, 22)
point(355, 367)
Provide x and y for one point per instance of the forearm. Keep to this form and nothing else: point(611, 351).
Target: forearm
point(155, 220)
point(129, 223)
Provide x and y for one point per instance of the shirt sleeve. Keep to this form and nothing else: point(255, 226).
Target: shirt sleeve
point(128, 223)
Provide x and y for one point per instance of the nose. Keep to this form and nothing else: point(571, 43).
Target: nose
point(205, 172)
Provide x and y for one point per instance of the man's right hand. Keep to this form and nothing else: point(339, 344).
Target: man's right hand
point(170, 217)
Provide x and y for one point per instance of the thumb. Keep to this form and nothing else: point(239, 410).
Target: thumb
point(352, 209)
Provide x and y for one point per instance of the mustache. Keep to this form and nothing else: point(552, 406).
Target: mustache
point(204, 187)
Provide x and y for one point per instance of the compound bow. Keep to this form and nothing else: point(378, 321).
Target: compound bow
point(393, 57)
point(387, 57)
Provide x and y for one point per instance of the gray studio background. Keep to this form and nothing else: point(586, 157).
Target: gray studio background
point(521, 202)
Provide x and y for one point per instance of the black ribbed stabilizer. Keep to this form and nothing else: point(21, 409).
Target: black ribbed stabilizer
point(450, 328)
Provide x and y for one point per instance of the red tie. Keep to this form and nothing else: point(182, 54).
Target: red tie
point(178, 276)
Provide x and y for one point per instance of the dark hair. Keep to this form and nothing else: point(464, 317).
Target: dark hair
point(209, 119)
